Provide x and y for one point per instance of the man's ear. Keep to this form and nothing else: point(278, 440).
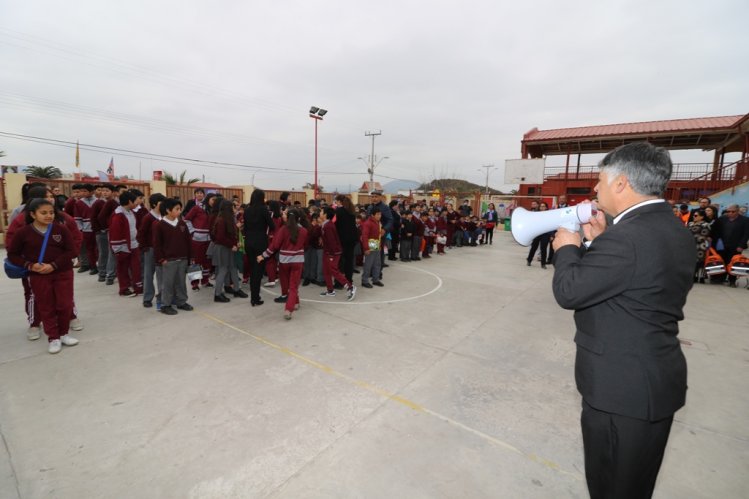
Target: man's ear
point(620, 184)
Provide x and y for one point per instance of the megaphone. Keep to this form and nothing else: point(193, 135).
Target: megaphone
point(526, 225)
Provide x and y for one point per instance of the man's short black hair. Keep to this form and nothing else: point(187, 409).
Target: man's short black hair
point(87, 187)
point(155, 199)
point(198, 189)
point(168, 204)
point(138, 193)
point(329, 212)
point(126, 197)
point(375, 209)
point(107, 185)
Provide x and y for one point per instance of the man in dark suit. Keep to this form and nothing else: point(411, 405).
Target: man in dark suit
point(627, 284)
point(198, 199)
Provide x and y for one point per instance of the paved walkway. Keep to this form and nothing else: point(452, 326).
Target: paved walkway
point(455, 380)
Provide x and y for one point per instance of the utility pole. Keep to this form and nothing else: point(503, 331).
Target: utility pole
point(488, 168)
point(372, 134)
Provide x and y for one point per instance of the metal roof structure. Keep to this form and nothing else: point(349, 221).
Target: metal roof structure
point(722, 133)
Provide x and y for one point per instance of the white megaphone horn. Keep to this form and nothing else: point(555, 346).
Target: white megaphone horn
point(526, 225)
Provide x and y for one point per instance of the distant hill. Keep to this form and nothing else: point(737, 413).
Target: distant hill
point(454, 184)
point(394, 186)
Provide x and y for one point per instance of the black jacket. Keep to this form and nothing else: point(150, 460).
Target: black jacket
point(628, 291)
point(345, 224)
point(733, 233)
point(257, 224)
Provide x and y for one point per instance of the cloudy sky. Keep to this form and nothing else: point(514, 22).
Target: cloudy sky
point(451, 85)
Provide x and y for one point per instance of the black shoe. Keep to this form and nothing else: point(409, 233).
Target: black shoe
point(281, 299)
point(357, 271)
point(257, 302)
point(240, 294)
point(221, 298)
point(168, 311)
point(366, 285)
point(208, 285)
point(229, 290)
point(543, 265)
point(127, 292)
point(702, 280)
point(83, 269)
point(185, 306)
point(529, 263)
point(147, 304)
point(110, 282)
point(417, 259)
point(405, 259)
point(385, 265)
point(93, 271)
point(379, 283)
point(102, 278)
point(305, 282)
point(338, 285)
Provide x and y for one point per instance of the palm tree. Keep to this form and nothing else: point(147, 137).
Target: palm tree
point(44, 172)
point(172, 180)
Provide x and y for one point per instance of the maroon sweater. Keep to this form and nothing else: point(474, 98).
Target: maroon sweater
point(331, 243)
point(26, 246)
point(221, 236)
point(169, 242)
point(145, 231)
point(105, 215)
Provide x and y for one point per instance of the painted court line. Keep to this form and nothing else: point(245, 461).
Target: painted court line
point(358, 302)
point(396, 398)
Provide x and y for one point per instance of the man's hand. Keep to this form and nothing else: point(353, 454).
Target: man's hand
point(260, 259)
point(595, 227)
point(366, 253)
point(563, 237)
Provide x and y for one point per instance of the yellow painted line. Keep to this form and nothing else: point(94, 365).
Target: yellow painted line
point(397, 398)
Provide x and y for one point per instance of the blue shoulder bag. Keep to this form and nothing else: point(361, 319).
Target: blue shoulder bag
point(14, 271)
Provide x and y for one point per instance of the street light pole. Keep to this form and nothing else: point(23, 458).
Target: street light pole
point(488, 168)
point(372, 134)
point(316, 113)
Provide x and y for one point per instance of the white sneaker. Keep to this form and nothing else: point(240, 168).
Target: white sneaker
point(270, 284)
point(33, 333)
point(351, 293)
point(68, 340)
point(55, 346)
point(76, 325)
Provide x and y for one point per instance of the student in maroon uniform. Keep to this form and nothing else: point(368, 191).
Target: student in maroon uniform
point(124, 243)
point(198, 218)
point(52, 279)
point(171, 249)
point(331, 246)
point(289, 243)
point(104, 219)
point(371, 233)
point(82, 215)
point(313, 263)
point(145, 243)
point(225, 237)
point(271, 264)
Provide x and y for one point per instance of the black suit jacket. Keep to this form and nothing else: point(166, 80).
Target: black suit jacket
point(628, 291)
point(257, 224)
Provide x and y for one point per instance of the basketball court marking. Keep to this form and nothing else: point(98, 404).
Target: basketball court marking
point(397, 398)
point(380, 302)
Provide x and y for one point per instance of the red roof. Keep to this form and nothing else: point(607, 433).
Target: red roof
point(665, 126)
point(721, 132)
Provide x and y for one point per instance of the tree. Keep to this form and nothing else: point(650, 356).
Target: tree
point(172, 180)
point(44, 172)
point(311, 186)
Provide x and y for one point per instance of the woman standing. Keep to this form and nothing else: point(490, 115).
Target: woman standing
point(257, 225)
point(492, 219)
point(542, 241)
point(225, 237)
point(345, 224)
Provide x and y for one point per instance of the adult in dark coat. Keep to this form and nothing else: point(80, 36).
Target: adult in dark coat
point(345, 224)
point(386, 222)
point(628, 290)
point(199, 195)
point(257, 224)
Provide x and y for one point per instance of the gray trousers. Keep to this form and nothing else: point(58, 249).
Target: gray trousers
point(313, 265)
point(416, 247)
point(149, 270)
point(174, 279)
point(107, 263)
point(405, 247)
point(226, 275)
point(372, 267)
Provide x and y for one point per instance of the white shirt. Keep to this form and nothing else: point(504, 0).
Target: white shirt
point(631, 208)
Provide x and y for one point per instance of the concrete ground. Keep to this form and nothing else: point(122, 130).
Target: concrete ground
point(455, 380)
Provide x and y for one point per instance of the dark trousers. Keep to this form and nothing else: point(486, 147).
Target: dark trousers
point(89, 240)
point(347, 260)
point(622, 454)
point(256, 273)
point(405, 247)
point(543, 242)
point(489, 234)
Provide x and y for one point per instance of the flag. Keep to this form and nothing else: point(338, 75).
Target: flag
point(103, 176)
point(110, 169)
point(77, 156)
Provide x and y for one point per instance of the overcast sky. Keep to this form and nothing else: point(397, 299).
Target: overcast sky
point(452, 85)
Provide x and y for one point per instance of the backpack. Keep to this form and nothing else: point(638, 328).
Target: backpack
point(714, 264)
point(739, 266)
